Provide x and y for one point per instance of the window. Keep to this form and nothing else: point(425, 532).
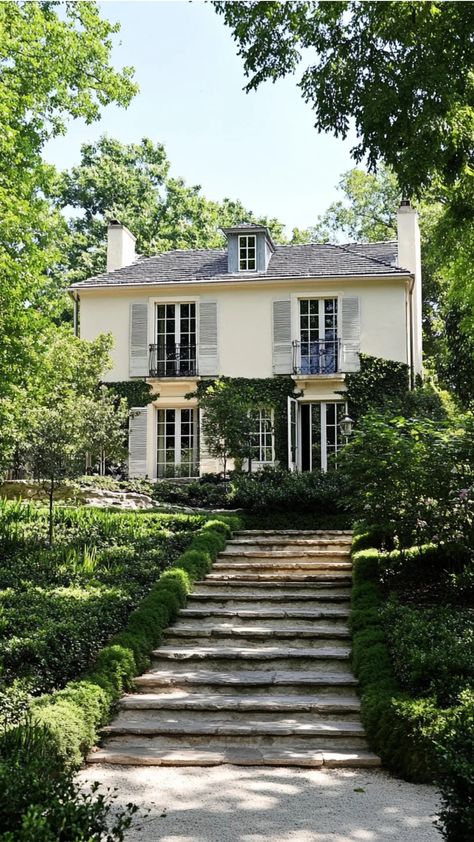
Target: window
point(177, 453)
point(261, 437)
point(318, 336)
point(175, 340)
point(247, 253)
point(321, 434)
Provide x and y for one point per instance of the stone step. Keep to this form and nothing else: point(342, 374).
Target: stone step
point(139, 723)
point(259, 598)
point(284, 577)
point(288, 583)
point(286, 552)
point(273, 566)
point(293, 681)
point(230, 633)
point(244, 615)
point(131, 754)
point(345, 542)
point(299, 533)
point(250, 653)
point(263, 703)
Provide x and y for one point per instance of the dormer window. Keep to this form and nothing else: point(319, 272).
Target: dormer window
point(247, 253)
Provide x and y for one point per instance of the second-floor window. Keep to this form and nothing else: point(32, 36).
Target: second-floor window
point(176, 339)
point(247, 253)
point(318, 336)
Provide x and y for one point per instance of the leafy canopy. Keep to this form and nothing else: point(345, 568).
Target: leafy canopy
point(400, 72)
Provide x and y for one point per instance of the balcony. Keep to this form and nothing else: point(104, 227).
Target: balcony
point(173, 360)
point(319, 357)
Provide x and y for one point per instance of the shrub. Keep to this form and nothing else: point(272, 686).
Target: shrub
point(456, 779)
point(275, 490)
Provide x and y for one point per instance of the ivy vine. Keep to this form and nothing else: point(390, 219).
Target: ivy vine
point(270, 392)
point(136, 392)
point(377, 383)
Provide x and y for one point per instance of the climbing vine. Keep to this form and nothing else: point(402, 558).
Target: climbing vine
point(270, 392)
point(136, 392)
point(377, 382)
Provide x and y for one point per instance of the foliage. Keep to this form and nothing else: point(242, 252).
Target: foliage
point(367, 213)
point(377, 382)
point(226, 425)
point(376, 66)
point(55, 65)
point(261, 392)
point(432, 649)
point(131, 182)
point(412, 477)
point(135, 392)
point(104, 420)
point(41, 801)
point(200, 494)
point(275, 489)
point(456, 818)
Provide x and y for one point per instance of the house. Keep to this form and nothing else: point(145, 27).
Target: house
point(252, 310)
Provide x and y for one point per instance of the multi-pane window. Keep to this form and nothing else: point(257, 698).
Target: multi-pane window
point(175, 339)
point(177, 454)
point(334, 439)
point(261, 438)
point(321, 436)
point(318, 336)
point(247, 253)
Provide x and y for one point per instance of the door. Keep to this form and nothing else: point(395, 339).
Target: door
point(318, 336)
point(176, 339)
point(177, 443)
point(321, 436)
point(292, 434)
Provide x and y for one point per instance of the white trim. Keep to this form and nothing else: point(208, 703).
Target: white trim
point(246, 237)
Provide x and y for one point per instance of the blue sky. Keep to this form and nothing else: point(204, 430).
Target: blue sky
point(260, 147)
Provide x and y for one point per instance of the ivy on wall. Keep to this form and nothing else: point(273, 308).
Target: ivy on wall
point(136, 392)
point(270, 392)
point(377, 382)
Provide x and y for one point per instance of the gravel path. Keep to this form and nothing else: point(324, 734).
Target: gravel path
point(251, 804)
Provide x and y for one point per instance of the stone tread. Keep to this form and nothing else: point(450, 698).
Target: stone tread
point(267, 613)
point(318, 533)
point(237, 756)
point(259, 631)
point(288, 583)
point(250, 652)
point(249, 678)
point(280, 597)
point(231, 552)
point(282, 565)
point(262, 703)
point(160, 726)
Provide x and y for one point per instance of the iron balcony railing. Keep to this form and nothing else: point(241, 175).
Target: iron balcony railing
point(173, 360)
point(321, 356)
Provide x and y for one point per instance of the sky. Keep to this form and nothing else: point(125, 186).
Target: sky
point(261, 147)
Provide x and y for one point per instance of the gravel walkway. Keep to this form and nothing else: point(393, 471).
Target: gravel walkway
point(251, 804)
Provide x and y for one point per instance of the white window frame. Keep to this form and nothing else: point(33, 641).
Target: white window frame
point(269, 412)
point(177, 440)
point(246, 237)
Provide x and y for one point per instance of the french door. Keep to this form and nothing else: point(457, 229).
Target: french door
point(176, 339)
point(319, 434)
point(318, 336)
point(177, 444)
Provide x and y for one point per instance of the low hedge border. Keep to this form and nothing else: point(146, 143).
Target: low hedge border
point(72, 717)
point(399, 728)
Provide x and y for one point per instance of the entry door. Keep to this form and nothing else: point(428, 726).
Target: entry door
point(321, 436)
point(177, 446)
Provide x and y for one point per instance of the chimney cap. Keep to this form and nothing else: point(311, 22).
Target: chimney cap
point(405, 203)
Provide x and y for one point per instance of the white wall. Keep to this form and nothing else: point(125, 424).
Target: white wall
point(245, 319)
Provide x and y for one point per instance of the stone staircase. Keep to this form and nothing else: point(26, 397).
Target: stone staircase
point(256, 671)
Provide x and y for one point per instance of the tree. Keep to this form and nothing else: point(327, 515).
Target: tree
point(226, 425)
point(105, 418)
point(131, 182)
point(401, 73)
point(53, 66)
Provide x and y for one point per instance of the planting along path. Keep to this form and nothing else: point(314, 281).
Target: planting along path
point(257, 669)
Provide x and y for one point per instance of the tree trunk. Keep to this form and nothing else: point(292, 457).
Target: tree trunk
point(51, 509)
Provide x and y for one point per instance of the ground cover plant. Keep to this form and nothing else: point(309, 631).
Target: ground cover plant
point(43, 738)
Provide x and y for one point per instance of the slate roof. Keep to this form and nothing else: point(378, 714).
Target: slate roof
point(312, 260)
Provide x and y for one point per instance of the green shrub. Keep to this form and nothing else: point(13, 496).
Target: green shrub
point(456, 778)
point(275, 489)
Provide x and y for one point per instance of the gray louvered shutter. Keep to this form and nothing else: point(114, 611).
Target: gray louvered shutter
point(350, 328)
point(282, 348)
point(137, 442)
point(139, 339)
point(208, 360)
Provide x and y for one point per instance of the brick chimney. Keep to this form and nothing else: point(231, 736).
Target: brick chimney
point(120, 246)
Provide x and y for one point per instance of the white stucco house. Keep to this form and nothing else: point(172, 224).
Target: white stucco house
point(253, 310)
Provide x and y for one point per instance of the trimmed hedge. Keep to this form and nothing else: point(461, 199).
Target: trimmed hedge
point(73, 716)
point(397, 725)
